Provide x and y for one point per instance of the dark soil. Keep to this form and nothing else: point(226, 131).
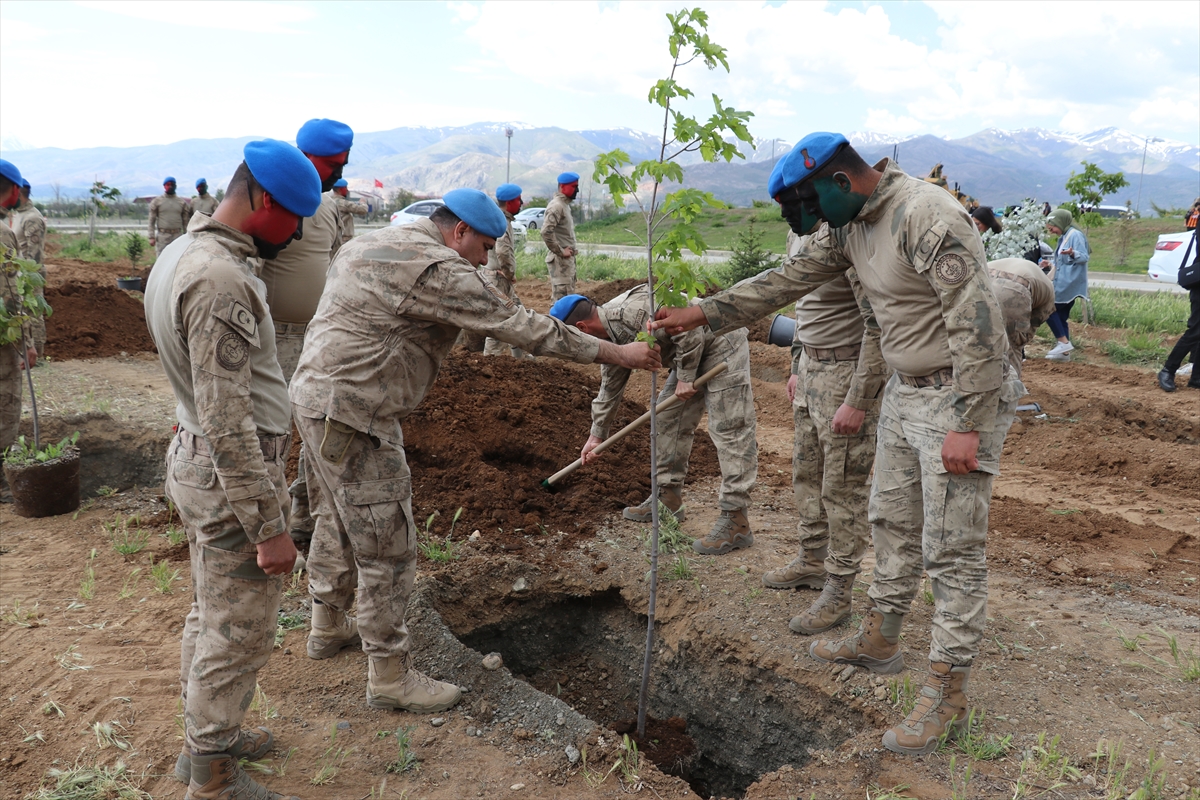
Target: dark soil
point(95, 321)
point(607, 291)
point(666, 743)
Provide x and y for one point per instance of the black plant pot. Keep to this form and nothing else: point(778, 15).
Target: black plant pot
point(45, 489)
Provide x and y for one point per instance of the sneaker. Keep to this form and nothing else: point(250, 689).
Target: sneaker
point(1060, 352)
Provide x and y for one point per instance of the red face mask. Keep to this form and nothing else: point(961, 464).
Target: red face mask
point(13, 199)
point(271, 222)
point(513, 206)
point(570, 190)
point(329, 168)
point(342, 190)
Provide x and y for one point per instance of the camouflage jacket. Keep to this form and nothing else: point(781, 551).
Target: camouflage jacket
point(168, 212)
point(558, 226)
point(209, 318)
point(1026, 295)
point(503, 258)
point(346, 210)
point(923, 269)
point(30, 227)
point(395, 301)
point(203, 203)
point(296, 278)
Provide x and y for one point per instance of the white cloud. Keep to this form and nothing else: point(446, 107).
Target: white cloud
point(18, 30)
point(251, 16)
point(884, 121)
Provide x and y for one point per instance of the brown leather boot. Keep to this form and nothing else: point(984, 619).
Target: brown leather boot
point(832, 606)
point(868, 648)
point(217, 776)
point(393, 684)
point(806, 569)
point(300, 522)
point(251, 745)
point(332, 631)
point(669, 496)
point(941, 710)
point(731, 531)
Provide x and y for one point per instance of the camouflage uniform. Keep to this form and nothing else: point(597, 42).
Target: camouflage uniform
point(209, 318)
point(922, 266)
point(1026, 296)
point(30, 228)
point(837, 360)
point(728, 398)
point(10, 356)
point(346, 209)
point(394, 304)
point(169, 216)
point(203, 204)
point(558, 231)
point(500, 271)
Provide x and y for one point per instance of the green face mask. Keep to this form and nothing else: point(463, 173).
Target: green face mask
point(839, 203)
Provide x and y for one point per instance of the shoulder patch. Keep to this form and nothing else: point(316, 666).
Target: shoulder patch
point(950, 268)
point(232, 351)
point(242, 319)
point(496, 293)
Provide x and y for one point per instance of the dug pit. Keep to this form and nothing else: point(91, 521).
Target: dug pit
point(737, 722)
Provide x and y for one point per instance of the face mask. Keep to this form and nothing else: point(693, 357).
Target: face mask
point(838, 204)
point(269, 223)
point(202, 189)
point(12, 201)
point(170, 188)
point(333, 178)
point(574, 192)
point(802, 217)
point(334, 164)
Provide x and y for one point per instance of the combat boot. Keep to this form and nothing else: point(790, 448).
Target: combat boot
point(217, 776)
point(832, 606)
point(250, 745)
point(301, 524)
point(806, 569)
point(669, 496)
point(332, 631)
point(869, 648)
point(731, 531)
point(391, 683)
point(941, 710)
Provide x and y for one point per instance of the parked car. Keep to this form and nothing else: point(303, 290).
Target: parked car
point(519, 227)
point(1168, 256)
point(418, 210)
point(532, 217)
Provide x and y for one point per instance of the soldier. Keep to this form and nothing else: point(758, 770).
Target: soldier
point(1026, 296)
point(169, 216)
point(500, 270)
point(558, 232)
point(30, 228)
point(395, 301)
point(944, 415)
point(203, 202)
point(346, 209)
point(208, 316)
point(296, 278)
point(12, 360)
point(728, 398)
point(835, 395)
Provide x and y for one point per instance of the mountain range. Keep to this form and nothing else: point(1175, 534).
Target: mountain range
point(994, 166)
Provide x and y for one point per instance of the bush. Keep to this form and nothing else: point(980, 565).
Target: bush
point(135, 245)
point(749, 256)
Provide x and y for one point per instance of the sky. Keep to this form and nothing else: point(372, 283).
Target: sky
point(84, 74)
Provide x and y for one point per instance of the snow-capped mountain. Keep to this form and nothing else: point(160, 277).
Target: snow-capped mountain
point(873, 139)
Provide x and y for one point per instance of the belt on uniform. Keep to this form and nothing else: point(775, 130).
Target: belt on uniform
point(943, 377)
point(290, 328)
point(170, 230)
point(999, 273)
point(847, 353)
point(272, 447)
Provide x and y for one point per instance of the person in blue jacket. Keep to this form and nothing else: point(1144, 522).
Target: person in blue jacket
point(1070, 278)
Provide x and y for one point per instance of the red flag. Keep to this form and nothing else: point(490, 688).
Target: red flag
point(378, 183)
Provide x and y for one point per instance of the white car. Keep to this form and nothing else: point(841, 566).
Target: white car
point(532, 217)
point(519, 227)
point(418, 210)
point(1168, 256)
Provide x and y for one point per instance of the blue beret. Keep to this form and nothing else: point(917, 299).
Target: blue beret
point(324, 137)
point(169, 179)
point(340, 183)
point(507, 191)
point(200, 181)
point(569, 177)
point(286, 173)
point(809, 155)
point(477, 210)
point(563, 306)
point(10, 171)
point(25, 183)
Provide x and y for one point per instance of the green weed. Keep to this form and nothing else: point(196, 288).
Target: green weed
point(1130, 643)
point(680, 569)
point(163, 576)
point(262, 704)
point(1143, 312)
point(330, 762)
point(130, 584)
point(90, 783)
point(973, 743)
point(1044, 768)
point(288, 622)
point(52, 708)
point(406, 759)
point(902, 694)
point(24, 617)
point(438, 551)
point(1146, 349)
point(959, 784)
point(671, 538)
point(108, 735)
point(1186, 661)
point(87, 584)
point(130, 542)
point(894, 793)
point(174, 535)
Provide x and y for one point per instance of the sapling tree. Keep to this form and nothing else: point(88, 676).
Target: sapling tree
point(667, 226)
point(22, 282)
point(1089, 189)
point(99, 195)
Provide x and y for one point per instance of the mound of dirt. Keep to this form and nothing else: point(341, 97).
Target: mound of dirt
point(607, 291)
point(94, 321)
point(492, 429)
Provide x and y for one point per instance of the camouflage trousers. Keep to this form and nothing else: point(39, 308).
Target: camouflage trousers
point(361, 493)
point(562, 276)
point(923, 517)
point(230, 631)
point(831, 473)
point(731, 423)
point(10, 395)
point(289, 341)
point(163, 238)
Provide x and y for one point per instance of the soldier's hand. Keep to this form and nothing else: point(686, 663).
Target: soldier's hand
point(678, 320)
point(791, 390)
point(568, 252)
point(276, 555)
point(639, 355)
point(153, 241)
point(848, 420)
point(586, 454)
point(685, 390)
point(30, 359)
point(958, 452)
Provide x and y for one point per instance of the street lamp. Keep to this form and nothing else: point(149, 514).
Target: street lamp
point(1142, 174)
point(508, 132)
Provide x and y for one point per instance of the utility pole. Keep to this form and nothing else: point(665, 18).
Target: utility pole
point(508, 132)
point(1142, 174)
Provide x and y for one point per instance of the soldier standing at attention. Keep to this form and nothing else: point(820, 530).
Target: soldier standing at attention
point(395, 302)
point(728, 398)
point(30, 228)
point(169, 215)
point(346, 208)
point(209, 318)
point(835, 394)
point(203, 202)
point(500, 269)
point(296, 278)
point(944, 415)
point(558, 232)
point(12, 360)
